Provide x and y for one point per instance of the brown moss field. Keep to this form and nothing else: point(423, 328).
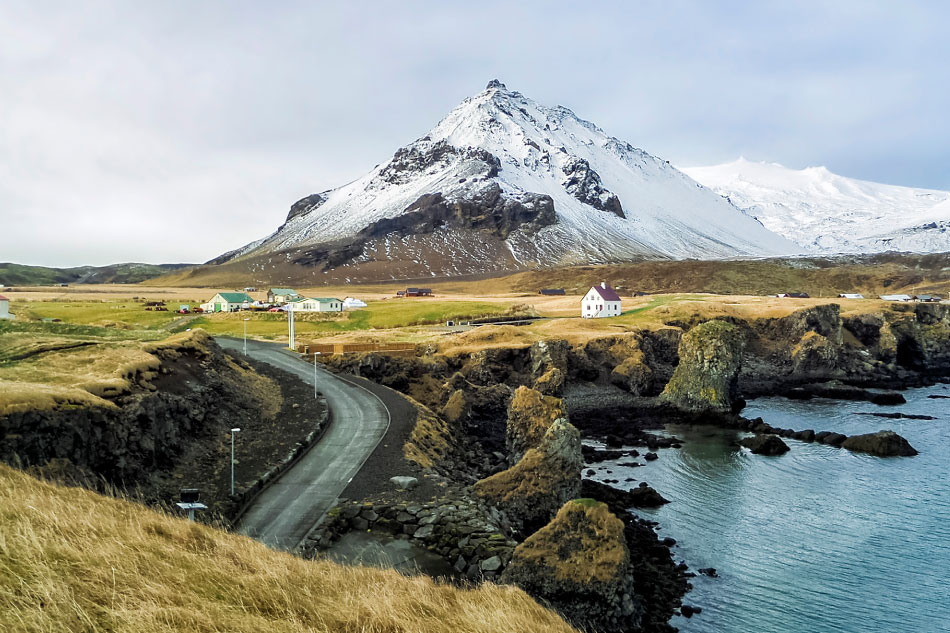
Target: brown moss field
point(72, 560)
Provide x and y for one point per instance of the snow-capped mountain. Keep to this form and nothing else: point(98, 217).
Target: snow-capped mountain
point(502, 183)
point(827, 213)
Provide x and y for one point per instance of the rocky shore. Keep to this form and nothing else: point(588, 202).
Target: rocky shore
point(503, 425)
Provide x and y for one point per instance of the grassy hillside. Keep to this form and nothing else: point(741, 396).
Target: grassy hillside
point(20, 275)
point(71, 560)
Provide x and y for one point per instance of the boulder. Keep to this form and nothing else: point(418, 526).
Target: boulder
point(531, 491)
point(888, 398)
point(646, 497)
point(580, 562)
point(765, 445)
point(882, 444)
point(530, 415)
point(831, 438)
point(404, 483)
point(706, 378)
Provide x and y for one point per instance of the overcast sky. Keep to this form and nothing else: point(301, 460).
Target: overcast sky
point(177, 131)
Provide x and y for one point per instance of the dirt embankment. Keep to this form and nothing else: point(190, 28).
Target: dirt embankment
point(166, 426)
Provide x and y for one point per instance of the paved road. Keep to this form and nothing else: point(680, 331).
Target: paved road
point(282, 515)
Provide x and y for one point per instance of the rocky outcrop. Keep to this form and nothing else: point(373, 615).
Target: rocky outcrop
point(432, 442)
point(765, 445)
point(549, 365)
point(580, 563)
point(306, 205)
point(531, 491)
point(706, 378)
point(882, 444)
point(530, 415)
point(584, 184)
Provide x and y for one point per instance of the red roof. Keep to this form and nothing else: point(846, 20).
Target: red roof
point(607, 293)
point(2, 298)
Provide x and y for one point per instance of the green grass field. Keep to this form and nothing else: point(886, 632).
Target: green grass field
point(118, 316)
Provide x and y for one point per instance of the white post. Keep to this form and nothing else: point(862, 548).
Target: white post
point(233, 431)
point(245, 336)
point(290, 324)
point(315, 375)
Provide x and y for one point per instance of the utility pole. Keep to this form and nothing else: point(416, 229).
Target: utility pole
point(233, 431)
point(245, 336)
point(315, 354)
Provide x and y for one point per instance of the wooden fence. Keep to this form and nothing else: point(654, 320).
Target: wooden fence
point(332, 349)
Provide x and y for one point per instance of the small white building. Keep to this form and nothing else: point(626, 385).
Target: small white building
point(227, 302)
point(5, 308)
point(317, 304)
point(281, 296)
point(600, 301)
point(352, 303)
point(850, 295)
point(896, 297)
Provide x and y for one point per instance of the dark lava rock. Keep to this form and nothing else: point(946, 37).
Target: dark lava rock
point(708, 571)
point(688, 610)
point(897, 415)
point(590, 471)
point(765, 445)
point(798, 394)
point(804, 436)
point(650, 457)
point(593, 455)
point(629, 464)
point(882, 444)
point(935, 396)
point(669, 541)
point(613, 441)
point(646, 497)
point(832, 439)
point(888, 398)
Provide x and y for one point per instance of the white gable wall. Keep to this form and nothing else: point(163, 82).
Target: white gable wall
point(593, 306)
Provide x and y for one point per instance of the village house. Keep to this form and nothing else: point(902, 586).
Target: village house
point(281, 296)
point(227, 302)
point(317, 304)
point(793, 295)
point(5, 308)
point(600, 301)
point(551, 291)
point(414, 292)
point(896, 297)
point(928, 298)
point(850, 295)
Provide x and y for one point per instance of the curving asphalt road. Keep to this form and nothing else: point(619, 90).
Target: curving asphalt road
point(283, 514)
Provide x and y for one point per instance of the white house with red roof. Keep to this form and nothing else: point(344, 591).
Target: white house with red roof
point(5, 308)
point(600, 301)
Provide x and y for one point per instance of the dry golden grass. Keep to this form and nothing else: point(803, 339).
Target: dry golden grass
point(47, 373)
point(431, 438)
point(71, 560)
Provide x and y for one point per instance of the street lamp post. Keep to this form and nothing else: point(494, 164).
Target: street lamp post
point(245, 336)
point(233, 431)
point(290, 325)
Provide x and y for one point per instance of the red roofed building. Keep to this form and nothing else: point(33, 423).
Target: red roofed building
point(5, 308)
point(600, 301)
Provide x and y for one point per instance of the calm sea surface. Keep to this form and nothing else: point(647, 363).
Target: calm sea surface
point(820, 539)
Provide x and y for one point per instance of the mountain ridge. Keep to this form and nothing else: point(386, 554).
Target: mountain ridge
point(503, 183)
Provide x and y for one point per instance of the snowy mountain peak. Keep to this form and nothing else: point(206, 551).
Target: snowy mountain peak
point(827, 213)
point(504, 178)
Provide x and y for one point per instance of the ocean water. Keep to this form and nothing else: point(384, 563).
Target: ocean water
point(817, 540)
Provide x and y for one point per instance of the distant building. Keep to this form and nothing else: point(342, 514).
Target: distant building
point(352, 303)
point(318, 304)
point(600, 301)
point(850, 295)
point(417, 292)
point(227, 302)
point(793, 295)
point(5, 308)
point(897, 297)
point(928, 298)
point(640, 293)
point(551, 291)
point(281, 296)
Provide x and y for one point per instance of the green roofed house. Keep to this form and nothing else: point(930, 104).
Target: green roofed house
point(227, 302)
point(318, 304)
point(281, 296)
